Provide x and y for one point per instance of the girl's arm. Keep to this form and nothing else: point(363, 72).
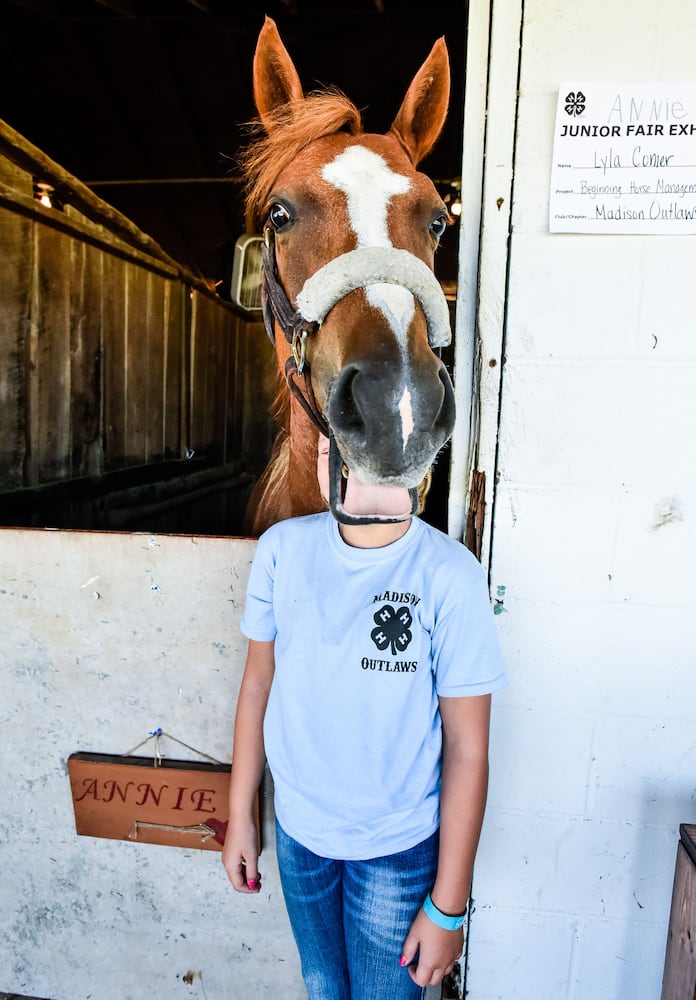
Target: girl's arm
point(240, 853)
point(465, 726)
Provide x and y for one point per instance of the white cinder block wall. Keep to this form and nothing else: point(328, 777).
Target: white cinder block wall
point(103, 637)
point(594, 742)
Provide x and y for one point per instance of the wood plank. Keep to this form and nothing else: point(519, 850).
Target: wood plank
point(687, 832)
point(197, 374)
point(259, 372)
point(16, 178)
point(172, 371)
point(220, 372)
point(16, 261)
point(679, 980)
point(50, 426)
point(114, 290)
point(238, 360)
point(154, 370)
point(215, 383)
point(136, 366)
point(86, 353)
point(171, 802)
point(231, 391)
point(207, 399)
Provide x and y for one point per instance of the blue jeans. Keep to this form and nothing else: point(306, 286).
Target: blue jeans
point(351, 918)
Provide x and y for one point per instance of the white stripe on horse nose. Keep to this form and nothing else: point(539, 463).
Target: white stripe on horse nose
point(406, 414)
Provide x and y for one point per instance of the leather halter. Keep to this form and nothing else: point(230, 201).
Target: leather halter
point(276, 307)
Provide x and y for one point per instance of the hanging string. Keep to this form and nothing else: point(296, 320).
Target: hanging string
point(156, 735)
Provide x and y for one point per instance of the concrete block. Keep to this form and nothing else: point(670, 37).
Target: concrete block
point(545, 327)
point(603, 659)
point(643, 770)
point(574, 865)
point(554, 545)
point(540, 761)
point(618, 959)
point(519, 954)
point(604, 424)
point(655, 530)
point(666, 321)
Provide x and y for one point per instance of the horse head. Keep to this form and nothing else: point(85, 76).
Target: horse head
point(350, 299)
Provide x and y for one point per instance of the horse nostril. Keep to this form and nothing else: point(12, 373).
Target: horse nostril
point(344, 409)
point(445, 418)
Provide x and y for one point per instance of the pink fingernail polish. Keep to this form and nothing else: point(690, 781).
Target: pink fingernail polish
point(402, 961)
point(252, 883)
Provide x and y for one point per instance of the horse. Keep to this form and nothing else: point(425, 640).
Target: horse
point(350, 301)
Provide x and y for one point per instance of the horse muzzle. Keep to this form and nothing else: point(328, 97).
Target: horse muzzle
point(387, 431)
point(388, 418)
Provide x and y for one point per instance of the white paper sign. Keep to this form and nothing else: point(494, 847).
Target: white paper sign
point(624, 159)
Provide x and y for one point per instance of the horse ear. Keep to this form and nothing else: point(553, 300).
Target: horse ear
point(276, 81)
point(424, 108)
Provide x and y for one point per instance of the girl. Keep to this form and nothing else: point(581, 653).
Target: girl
point(372, 658)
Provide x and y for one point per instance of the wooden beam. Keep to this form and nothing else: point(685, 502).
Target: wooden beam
point(46, 8)
point(125, 7)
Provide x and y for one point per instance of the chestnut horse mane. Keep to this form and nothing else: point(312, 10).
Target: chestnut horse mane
point(285, 133)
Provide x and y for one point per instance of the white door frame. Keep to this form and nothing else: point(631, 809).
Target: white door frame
point(490, 115)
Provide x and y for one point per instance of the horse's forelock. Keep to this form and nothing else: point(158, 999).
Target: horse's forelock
point(292, 128)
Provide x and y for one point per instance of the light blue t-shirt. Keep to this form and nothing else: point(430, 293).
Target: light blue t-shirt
point(365, 641)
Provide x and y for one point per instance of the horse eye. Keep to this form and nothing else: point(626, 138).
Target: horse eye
point(438, 226)
point(278, 216)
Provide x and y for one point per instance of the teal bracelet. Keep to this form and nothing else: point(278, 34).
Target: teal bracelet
point(440, 918)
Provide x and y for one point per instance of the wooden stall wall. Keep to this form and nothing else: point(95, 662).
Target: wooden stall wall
point(118, 369)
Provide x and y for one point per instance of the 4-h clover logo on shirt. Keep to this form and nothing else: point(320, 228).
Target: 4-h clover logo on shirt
point(393, 628)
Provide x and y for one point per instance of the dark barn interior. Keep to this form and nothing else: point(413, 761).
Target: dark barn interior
point(144, 101)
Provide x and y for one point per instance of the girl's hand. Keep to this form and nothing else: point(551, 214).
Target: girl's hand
point(240, 856)
point(437, 951)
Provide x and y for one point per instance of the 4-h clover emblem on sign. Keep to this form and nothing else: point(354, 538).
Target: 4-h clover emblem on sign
point(393, 628)
point(575, 103)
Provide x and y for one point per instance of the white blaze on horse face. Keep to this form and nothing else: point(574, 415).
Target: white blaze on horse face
point(369, 185)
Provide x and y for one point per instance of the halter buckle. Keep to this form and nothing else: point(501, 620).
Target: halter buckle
point(299, 349)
